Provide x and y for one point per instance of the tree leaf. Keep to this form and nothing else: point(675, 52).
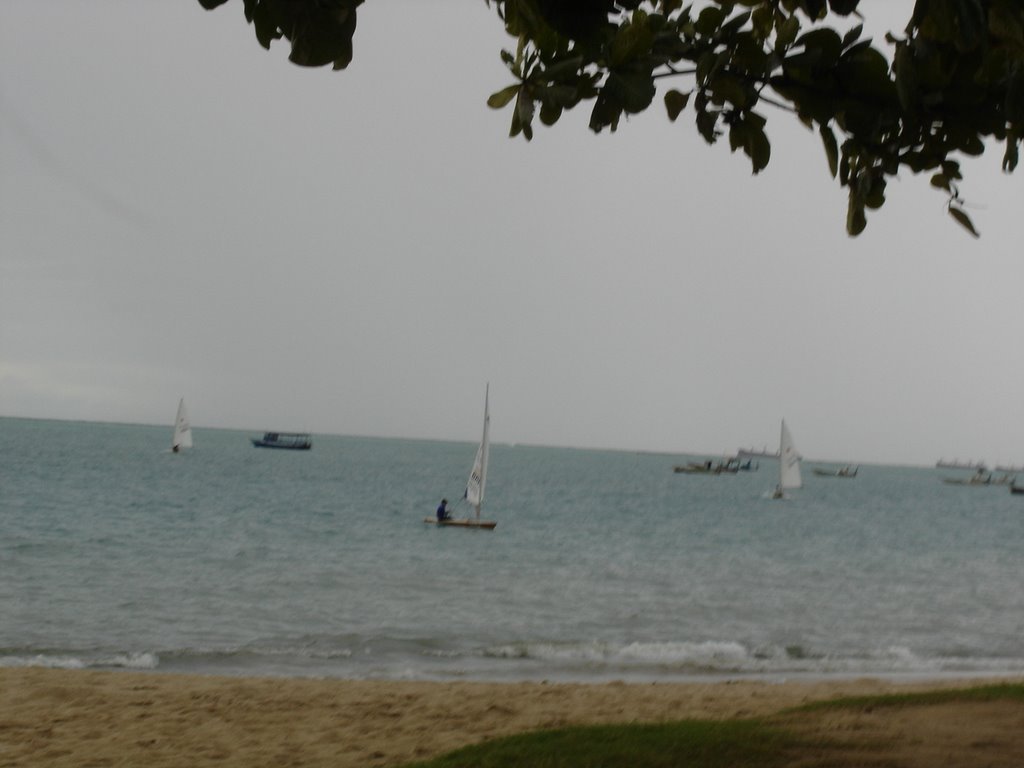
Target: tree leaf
point(675, 102)
point(630, 91)
point(843, 7)
point(758, 149)
point(709, 20)
point(707, 126)
point(786, 32)
point(522, 119)
point(738, 136)
point(560, 69)
point(634, 39)
point(503, 97)
point(831, 148)
point(762, 22)
point(1011, 155)
point(963, 219)
point(851, 36)
point(855, 219)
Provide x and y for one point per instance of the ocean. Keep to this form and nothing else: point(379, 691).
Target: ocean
point(117, 554)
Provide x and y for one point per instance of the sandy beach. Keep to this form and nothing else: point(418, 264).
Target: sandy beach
point(87, 718)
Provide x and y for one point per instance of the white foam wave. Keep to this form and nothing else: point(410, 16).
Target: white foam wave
point(41, 660)
point(65, 661)
point(732, 657)
point(132, 661)
point(711, 655)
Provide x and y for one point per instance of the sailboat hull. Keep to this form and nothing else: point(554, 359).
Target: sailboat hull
point(486, 525)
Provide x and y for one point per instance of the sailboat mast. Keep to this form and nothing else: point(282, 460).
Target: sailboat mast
point(789, 460)
point(478, 477)
point(485, 448)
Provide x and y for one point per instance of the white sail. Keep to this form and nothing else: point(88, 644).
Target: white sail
point(478, 476)
point(789, 460)
point(182, 429)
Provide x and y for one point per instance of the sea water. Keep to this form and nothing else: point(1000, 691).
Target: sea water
point(117, 553)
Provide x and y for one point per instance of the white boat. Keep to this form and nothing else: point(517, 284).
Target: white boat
point(980, 477)
point(289, 441)
point(182, 429)
point(477, 480)
point(789, 464)
point(846, 471)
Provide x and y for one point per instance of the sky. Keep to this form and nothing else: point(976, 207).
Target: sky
point(184, 214)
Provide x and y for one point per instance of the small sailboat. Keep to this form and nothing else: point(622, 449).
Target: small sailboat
point(477, 480)
point(182, 429)
point(789, 464)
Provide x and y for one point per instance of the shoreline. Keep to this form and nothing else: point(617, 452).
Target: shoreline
point(58, 717)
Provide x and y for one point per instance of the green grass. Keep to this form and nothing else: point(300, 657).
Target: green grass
point(983, 693)
point(762, 743)
point(689, 743)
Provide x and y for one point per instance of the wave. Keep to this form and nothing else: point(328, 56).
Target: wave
point(78, 660)
point(734, 658)
point(410, 658)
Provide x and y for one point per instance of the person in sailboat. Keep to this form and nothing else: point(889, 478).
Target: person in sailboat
point(442, 510)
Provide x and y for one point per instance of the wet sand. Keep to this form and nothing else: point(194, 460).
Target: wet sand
point(85, 718)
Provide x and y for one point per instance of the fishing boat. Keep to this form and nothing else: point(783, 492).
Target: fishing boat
point(474, 494)
point(727, 466)
point(754, 453)
point(182, 437)
point(957, 464)
point(846, 471)
point(1016, 489)
point(789, 464)
point(291, 441)
point(980, 477)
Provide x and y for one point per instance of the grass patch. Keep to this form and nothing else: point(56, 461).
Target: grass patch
point(983, 693)
point(690, 743)
point(766, 743)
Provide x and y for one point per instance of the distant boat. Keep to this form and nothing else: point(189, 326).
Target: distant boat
point(1014, 488)
point(841, 472)
point(727, 467)
point(789, 464)
point(753, 453)
point(956, 464)
point(477, 480)
point(292, 441)
point(980, 477)
point(182, 437)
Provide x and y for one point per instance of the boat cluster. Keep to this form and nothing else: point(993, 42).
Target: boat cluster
point(789, 465)
point(182, 437)
point(729, 465)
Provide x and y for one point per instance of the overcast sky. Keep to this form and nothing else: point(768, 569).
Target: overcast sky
point(185, 214)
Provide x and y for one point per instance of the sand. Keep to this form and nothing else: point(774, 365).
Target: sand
point(85, 718)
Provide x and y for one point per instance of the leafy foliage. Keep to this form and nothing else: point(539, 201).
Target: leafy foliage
point(320, 31)
point(949, 86)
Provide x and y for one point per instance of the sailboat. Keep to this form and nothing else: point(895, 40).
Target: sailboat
point(477, 480)
point(182, 429)
point(789, 464)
